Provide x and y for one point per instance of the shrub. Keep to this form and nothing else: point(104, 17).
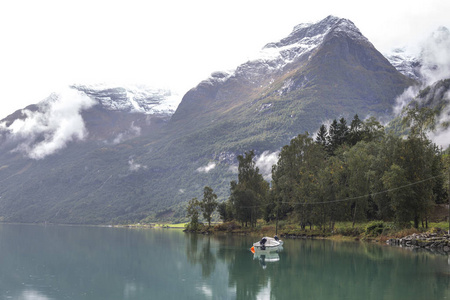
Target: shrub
point(349, 231)
point(227, 226)
point(374, 229)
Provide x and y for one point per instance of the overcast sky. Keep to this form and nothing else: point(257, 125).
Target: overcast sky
point(48, 44)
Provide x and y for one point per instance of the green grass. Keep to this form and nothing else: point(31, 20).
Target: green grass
point(441, 225)
point(368, 231)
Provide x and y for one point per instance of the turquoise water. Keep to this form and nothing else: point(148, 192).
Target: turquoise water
point(64, 262)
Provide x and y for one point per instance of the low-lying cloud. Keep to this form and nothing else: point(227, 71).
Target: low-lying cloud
point(435, 56)
point(133, 166)
point(435, 65)
point(57, 122)
point(207, 168)
point(132, 132)
point(435, 60)
point(265, 162)
point(441, 136)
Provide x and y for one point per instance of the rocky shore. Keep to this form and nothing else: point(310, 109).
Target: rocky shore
point(432, 241)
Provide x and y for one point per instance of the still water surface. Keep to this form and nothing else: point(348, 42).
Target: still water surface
point(63, 262)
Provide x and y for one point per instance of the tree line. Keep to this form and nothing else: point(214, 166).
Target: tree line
point(354, 172)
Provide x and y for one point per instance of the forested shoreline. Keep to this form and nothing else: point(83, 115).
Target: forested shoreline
point(355, 172)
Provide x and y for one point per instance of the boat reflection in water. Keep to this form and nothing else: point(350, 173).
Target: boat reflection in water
point(268, 257)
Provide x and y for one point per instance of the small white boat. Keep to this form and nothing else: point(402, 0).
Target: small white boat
point(267, 244)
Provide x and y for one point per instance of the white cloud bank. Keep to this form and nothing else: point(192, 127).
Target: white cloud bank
point(207, 168)
point(56, 123)
point(133, 166)
point(441, 136)
point(265, 162)
point(435, 59)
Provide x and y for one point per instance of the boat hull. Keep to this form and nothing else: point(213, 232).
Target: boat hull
point(267, 244)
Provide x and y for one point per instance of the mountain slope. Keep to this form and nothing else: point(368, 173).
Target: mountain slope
point(109, 171)
point(319, 72)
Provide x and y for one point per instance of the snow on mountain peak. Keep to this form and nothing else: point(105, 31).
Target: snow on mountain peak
point(305, 32)
point(132, 98)
point(428, 63)
point(306, 37)
point(273, 57)
point(405, 62)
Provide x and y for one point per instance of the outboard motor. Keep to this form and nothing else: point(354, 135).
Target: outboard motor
point(262, 242)
point(276, 238)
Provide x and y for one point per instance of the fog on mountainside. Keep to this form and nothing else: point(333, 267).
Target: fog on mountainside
point(429, 67)
point(114, 154)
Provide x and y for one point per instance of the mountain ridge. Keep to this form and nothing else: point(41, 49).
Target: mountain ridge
point(150, 174)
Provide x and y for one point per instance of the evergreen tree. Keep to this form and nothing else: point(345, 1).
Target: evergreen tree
point(333, 137)
point(322, 137)
point(342, 133)
point(355, 133)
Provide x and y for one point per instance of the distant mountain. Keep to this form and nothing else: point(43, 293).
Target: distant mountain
point(129, 159)
point(109, 113)
point(430, 67)
point(429, 63)
point(135, 99)
point(407, 64)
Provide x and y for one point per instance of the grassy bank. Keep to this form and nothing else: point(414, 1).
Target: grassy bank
point(155, 225)
point(374, 231)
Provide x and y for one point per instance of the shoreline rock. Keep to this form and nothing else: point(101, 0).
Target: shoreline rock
point(431, 241)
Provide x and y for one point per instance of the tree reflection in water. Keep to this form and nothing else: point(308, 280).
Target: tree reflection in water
point(325, 270)
point(201, 255)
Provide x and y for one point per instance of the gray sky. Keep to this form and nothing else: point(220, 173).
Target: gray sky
point(48, 44)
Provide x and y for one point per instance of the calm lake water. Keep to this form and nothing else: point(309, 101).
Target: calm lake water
point(63, 262)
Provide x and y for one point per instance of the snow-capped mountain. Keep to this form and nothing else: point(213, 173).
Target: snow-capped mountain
point(101, 113)
point(136, 99)
point(132, 163)
point(429, 63)
point(306, 37)
point(314, 54)
point(299, 45)
point(406, 63)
